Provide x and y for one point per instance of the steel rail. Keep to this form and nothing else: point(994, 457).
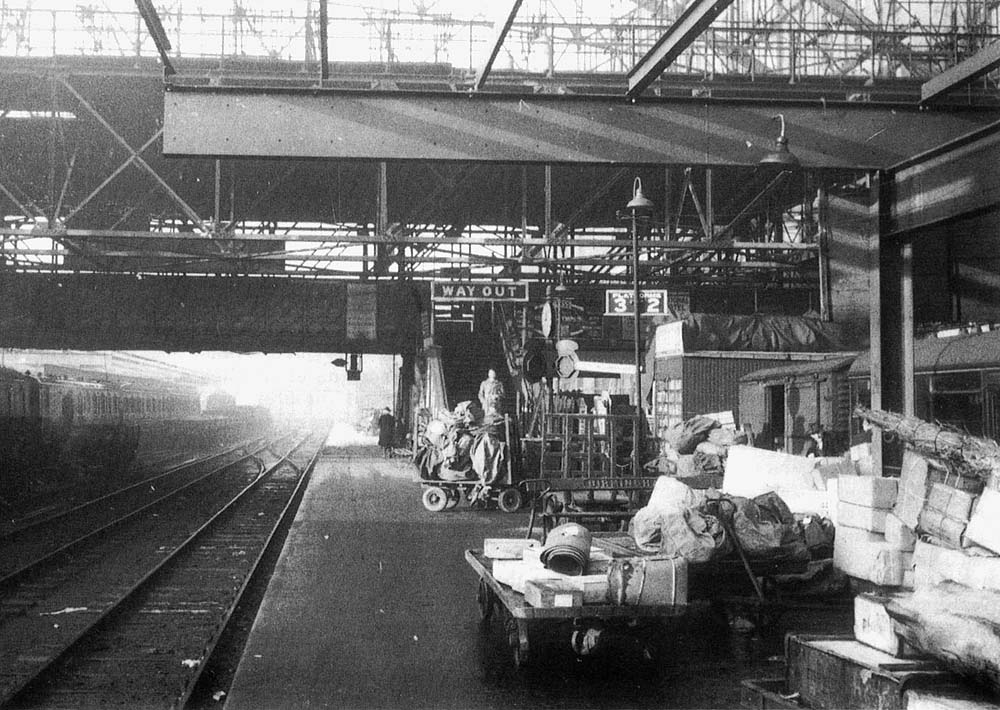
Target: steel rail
point(290, 508)
point(12, 690)
point(9, 577)
point(190, 463)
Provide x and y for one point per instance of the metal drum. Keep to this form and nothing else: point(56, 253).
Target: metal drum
point(634, 581)
point(567, 549)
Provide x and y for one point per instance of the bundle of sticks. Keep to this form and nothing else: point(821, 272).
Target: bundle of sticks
point(974, 454)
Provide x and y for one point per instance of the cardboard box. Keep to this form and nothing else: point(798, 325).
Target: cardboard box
point(984, 525)
point(873, 626)
point(861, 517)
point(866, 555)
point(516, 573)
point(806, 502)
point(505, 548)
point(533, 555)
point(868, 491)
point(832, 500)
point(835, 467)
point(898, 535)
point(912, 489)
point(933, 565)
point(945, 530)
point(552, 593)
point(946, 513)
point(950, 501)
point(593, 586)
point(750, 472)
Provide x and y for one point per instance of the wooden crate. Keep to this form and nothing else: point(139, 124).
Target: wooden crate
point(840, 672)
point(765, 694)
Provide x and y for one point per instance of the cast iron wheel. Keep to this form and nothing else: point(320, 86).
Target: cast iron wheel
point(510, 500)
point(517, 640)
point(435, 499)
point(484, 598)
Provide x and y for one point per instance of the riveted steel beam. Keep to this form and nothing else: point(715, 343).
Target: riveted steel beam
point(693, 21)
point(487, 65)
point(979, 64)
point(542, 129)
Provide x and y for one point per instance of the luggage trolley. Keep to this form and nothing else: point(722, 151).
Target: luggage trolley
point(439, 494)
point(734, 585)
point(522, 622)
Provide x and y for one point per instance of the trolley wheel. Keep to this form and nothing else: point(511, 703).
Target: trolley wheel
point(454, 496)
point(517, 640)
point(510, 500)
point(484, 598)
point(435, 499)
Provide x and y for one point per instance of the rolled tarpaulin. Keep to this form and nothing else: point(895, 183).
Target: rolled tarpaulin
point(567, 549)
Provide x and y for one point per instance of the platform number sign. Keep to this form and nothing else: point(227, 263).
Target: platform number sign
point(619, 302)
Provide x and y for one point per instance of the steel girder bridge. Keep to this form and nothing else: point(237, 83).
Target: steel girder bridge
point(286, 160)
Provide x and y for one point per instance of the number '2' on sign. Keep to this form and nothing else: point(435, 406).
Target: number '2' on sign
point(619, 302)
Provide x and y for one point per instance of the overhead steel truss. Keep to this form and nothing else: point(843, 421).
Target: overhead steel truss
point(755, 39)
point(84, 187)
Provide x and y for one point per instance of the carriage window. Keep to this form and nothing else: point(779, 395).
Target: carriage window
point(955, 382)
point(957, 400)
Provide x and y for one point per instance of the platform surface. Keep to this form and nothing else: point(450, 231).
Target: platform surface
point(372, 605)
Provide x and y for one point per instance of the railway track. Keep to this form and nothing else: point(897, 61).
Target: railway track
point(130, 617)
point(27, 545)
point(69, 503)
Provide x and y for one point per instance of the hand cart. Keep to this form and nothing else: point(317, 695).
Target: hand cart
point(742, 586)
point(521, 622)
point(439, 494)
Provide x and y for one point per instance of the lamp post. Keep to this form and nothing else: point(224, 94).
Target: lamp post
point(639, 208)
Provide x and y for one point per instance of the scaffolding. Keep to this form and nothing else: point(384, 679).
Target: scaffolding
point(752, 39)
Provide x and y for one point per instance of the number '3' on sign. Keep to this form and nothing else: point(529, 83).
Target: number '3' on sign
point(619, 302)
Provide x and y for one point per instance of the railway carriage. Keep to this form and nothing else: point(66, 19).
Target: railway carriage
point(59, 428)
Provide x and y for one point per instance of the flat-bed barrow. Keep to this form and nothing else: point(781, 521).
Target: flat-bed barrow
point(521, 621)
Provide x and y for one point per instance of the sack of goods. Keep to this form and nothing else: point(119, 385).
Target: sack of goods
point(461, 445)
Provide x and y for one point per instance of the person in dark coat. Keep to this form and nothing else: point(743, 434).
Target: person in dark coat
point(386, 432)
point(814, 446)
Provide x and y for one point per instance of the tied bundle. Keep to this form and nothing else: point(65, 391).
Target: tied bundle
point(972, 454)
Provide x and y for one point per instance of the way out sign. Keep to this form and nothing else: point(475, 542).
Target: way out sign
point(620, 302)
point(465, 291)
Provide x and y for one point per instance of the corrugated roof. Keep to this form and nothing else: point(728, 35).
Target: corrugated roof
point(802, 368)
point(940, 354)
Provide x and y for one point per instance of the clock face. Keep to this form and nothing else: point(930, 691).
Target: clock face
point(546, 319)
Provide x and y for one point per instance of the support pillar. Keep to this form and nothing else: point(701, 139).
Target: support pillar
point(891, 324)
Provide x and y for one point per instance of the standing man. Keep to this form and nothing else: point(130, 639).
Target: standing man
point(386, 432)
point(491, 395)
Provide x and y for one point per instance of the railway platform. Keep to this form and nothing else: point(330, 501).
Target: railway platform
point(372, 605)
